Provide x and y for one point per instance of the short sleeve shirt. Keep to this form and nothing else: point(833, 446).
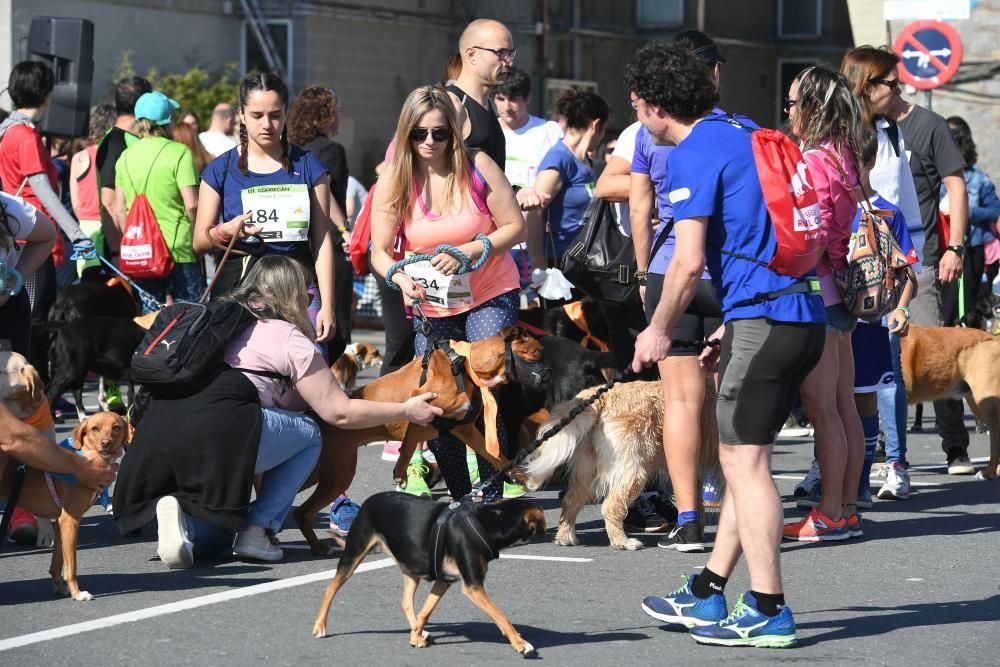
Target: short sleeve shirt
point(564, 216)
point(224, 176)
point(712, 174)
point(22, 154)
point(21, 218)
point(109, 150)
point(651, 160)
point(526, 146)
point(279, 347)
point(159, 168)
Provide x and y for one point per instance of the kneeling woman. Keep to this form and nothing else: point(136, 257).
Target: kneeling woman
point(193, 458)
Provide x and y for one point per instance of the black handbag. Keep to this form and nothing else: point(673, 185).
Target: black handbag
point(601, 260)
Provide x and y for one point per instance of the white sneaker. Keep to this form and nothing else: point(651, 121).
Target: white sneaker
point(174, 548)
point(252, 543)
point(897, 483)
point(810, 482)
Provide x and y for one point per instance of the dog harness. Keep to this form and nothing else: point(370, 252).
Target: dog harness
point(104, 497)
point(457, 516)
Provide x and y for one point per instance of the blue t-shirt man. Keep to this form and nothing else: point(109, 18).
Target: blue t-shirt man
point(224, 176)
point(564, 216)
point(722, 186)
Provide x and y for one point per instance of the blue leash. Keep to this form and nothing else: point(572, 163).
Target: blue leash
point(467, 266)
point(148, 302)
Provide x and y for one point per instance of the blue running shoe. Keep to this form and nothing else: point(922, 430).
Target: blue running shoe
point(745, 626)
point(342, 515)
point(682, 608)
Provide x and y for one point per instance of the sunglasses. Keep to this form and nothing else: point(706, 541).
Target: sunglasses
point(789, 103)
point(437, 134)
point(891, 84)
point(503, 55)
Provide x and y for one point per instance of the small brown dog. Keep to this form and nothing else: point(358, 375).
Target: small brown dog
point(339, 458)
point(957, 362)
point(102, 434)
point(356, 358)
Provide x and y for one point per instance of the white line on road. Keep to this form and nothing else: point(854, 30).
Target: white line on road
point(558, 559)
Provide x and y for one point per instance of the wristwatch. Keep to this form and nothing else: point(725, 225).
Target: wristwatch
point(958, 250)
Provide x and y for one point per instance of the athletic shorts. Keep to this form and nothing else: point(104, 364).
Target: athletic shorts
point(839, 320)
point(762, 365)
point(702, 317)
point(872, 358)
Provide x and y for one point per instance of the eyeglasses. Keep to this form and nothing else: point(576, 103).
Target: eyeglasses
point(437, 134)
point(789, 103)
point(891, 84)
point(503, 55)
point(634, 103)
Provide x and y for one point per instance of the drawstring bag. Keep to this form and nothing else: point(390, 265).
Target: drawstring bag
point(144, 252)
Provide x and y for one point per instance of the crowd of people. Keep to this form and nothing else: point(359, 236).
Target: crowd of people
point(506, 193)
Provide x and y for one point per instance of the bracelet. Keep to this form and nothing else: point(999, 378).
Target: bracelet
point(214, 231)
point(641, 276)
point(905, 309)
point(341, 229)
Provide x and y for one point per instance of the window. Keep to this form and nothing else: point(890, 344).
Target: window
point(252, 56)
point(787, 70)
point(659, 13)
point(800, 19)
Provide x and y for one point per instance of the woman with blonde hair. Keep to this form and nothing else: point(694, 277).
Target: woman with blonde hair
point(442, 195)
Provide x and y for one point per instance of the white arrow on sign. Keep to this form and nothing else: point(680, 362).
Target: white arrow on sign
point(923, 58)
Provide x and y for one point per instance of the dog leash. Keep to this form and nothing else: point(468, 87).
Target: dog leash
point(466, 265)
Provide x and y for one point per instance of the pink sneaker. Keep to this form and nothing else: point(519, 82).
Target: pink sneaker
point(390, 450)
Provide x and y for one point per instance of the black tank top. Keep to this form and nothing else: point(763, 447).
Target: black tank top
point(485, 133)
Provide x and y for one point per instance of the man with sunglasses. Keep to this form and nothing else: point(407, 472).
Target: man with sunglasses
point(487, 51)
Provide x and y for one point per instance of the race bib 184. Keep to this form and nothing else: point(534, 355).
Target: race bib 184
point(281, 211)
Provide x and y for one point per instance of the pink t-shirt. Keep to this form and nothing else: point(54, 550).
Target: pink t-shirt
point(837, 206)
point(424, 231)
point(278, 346)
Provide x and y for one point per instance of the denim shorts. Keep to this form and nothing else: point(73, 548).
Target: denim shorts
point(839, 320)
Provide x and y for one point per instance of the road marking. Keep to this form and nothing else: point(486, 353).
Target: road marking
point(558, 559)
point(180, 605)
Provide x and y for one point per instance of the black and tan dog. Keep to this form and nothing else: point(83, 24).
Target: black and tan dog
point(443, 548)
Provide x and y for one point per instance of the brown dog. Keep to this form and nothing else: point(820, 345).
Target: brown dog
point(339, 458)
point(610, 451)
point(955, 362)
point(356, 358)
point(21, 388)
point(102, 434)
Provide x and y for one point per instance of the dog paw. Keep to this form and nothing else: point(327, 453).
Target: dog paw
point(527, 650)
point(631, 544)
point(319, 630)
point(83, 596)
point(321, 549)
point(419, 641)
point(46, 534)
point(60, 588)
point(567, 539)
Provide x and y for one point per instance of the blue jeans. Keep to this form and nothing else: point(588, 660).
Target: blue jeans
point(184, 282)
point(482, 322)
point(892, 408)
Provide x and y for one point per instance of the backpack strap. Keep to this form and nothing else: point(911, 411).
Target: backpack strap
point(146, 182)
point(843, 173)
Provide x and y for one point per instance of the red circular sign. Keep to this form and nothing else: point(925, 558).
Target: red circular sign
point(930, 53)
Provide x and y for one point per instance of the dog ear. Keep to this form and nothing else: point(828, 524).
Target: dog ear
point(79, 433)
point(512, 333)
point(33, 382)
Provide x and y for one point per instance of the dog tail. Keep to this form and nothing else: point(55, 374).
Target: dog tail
point(558, 449)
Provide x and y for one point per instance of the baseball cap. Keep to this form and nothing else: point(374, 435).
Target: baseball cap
point(156, 107)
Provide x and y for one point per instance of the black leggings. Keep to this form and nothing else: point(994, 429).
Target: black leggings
point(399, 333)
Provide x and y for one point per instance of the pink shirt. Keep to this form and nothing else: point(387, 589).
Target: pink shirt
point(278, 346)
point(424, 231)
point(837, 206)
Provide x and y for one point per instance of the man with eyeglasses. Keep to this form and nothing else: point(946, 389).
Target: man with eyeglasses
point(487, 51)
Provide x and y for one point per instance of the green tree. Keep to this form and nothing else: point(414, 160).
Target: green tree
point(198, 89)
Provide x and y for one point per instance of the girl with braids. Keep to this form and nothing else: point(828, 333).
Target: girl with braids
point(828, 120)
point(19, 222)
point(274, 196)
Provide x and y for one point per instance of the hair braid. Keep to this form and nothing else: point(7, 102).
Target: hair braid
point(285, 162)
point(244, 148)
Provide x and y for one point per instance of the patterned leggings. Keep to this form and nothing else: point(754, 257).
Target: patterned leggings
point(481, 322)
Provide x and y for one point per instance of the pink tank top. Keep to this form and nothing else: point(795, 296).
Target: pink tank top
point(425, 230)
point(90, 201)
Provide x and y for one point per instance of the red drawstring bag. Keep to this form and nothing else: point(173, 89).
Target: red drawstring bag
point(144, 253)
point(791, 203)
point(360, 246)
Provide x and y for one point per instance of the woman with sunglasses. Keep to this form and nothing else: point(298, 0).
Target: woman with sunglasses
point(274, 196)
point(442, 195)
point(826, 117)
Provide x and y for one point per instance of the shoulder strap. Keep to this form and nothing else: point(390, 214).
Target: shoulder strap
point(662, 238)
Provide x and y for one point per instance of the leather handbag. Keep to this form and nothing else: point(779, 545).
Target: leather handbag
point(601, 260)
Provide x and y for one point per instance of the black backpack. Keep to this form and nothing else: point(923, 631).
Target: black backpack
point(601, 260)
point(182, 351)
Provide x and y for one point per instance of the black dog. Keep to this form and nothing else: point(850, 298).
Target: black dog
point(103, 345)
point(438, 542)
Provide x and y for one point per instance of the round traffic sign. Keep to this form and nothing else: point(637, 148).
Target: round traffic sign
point(930, 53)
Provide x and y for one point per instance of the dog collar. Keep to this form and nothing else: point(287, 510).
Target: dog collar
point(459, 515)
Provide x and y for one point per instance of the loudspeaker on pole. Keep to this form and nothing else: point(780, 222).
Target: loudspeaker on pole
point(67, 46)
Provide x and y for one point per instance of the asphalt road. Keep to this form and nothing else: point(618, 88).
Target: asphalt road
point(921, 588)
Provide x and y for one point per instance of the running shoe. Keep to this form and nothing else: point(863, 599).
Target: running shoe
point(513, 490)
point(854, 527)
point(23, 527)
point(816, 527)
point(710, 494)
point(173, 545)
point(342, 515)
point(473, 464)
point(810, 501)
point(897, 482)
point(746, 626)
point(688, 538)
point(390, 450)
point(865, 498)
point(642, 517)
point(662, 505)
point(113, 397)
point(682, 607)
point(252, 543)
point(959, 463)
point(810, 482)
point(796, 428)
point(416, 480)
